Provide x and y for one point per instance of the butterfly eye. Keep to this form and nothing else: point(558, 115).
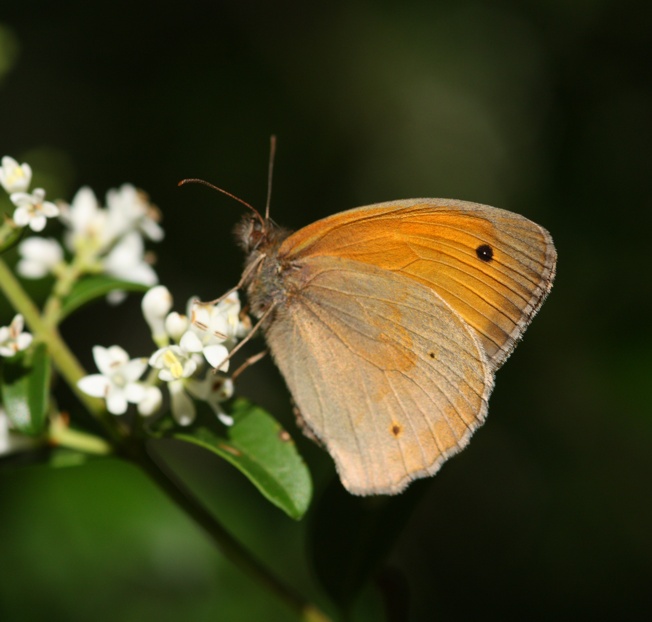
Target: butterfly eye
point(485, 252)
point(249, 233)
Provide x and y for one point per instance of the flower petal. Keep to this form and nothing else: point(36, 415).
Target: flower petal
point(215, 356)
point(23, 341)
point(21, 216)
point(42, 249)
point(134, 369)
point(95, 385)
point(135, 392)
point(38, 257)
point(151, 401)
point(156, 305)
point(17, 324)
point(109, 359)
point(190, 342)
point(116, 401)
point(37, 222)
point(227, 420)
point(49, 209)
point(167, 376)
point(20, 199)
point(183, 408)
point(175, 325)
point(31, 269)
point(15, 177)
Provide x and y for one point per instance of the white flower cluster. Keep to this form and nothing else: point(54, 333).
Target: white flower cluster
point(31, 209)
point(188, 346)
point(13, 339)
point(108, 239)
point(114, 234)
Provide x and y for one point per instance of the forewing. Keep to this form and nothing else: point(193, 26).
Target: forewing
point(493, 267)
point(383, 371)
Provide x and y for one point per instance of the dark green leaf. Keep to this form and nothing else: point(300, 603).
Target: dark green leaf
point(26, 390)
point(90, 288)
point(350, 536)
point(258, 446)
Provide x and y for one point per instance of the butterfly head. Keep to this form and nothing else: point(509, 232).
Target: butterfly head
point(251, 233)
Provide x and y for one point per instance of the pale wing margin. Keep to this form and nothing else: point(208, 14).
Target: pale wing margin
point(384, 372)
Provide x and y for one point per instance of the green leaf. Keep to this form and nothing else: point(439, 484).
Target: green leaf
point(26, 390)
point(90, 288)
point(259, 447)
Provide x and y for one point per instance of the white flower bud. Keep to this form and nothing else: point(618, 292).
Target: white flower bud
point(156, 305)
point(176, 325)
point(150, 402)
point(15, 177)
point(183, 408)
point(38, 257)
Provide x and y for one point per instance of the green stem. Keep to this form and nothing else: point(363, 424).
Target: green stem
point(226, 543)
point(63, 436)
point(67, 275)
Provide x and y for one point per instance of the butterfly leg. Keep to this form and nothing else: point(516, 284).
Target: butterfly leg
point(248, 363)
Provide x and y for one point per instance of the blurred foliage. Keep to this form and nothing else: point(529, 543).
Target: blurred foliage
point(541, 107)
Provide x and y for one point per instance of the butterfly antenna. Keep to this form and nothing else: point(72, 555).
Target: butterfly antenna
point(183, 182)
point(270, 173)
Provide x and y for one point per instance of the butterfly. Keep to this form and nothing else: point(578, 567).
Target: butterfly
point(389, 321)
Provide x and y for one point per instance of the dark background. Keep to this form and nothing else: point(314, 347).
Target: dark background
point(542, 108)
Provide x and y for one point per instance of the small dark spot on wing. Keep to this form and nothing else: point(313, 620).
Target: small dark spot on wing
point(484, 252)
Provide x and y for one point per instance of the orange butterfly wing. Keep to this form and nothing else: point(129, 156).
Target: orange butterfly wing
point(384, 373)
point(494, 267)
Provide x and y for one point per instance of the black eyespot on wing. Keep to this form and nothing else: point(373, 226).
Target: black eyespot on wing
point(484, 252)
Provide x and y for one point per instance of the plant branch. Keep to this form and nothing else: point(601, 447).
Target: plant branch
point(226, 543)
